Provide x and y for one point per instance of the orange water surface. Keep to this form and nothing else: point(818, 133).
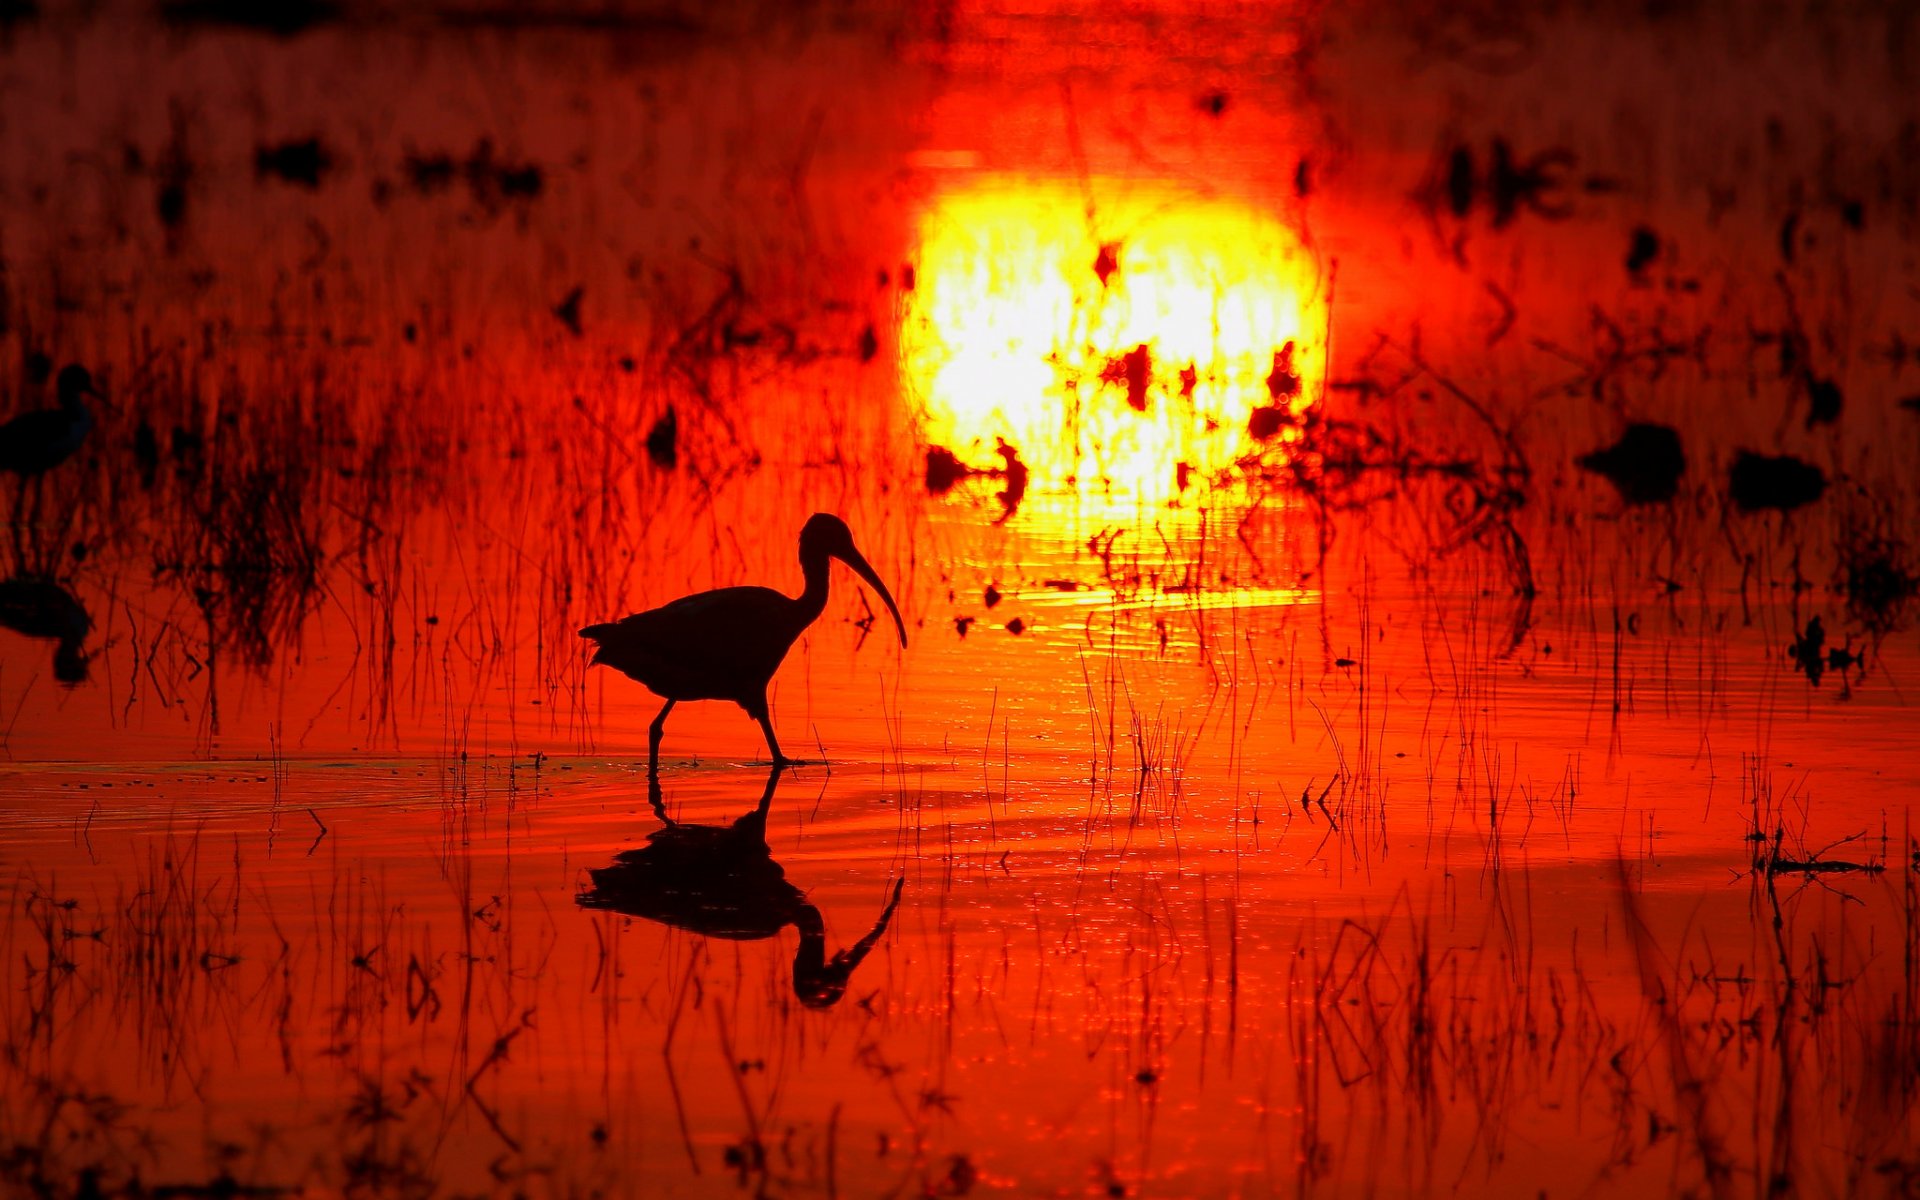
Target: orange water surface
point(1302, 775)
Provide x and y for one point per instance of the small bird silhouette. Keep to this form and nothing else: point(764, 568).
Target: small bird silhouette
point(722, 881)
point(727, 643)
point(36, 442)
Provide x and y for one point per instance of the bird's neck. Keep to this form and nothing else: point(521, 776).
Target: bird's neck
point(813, 598)
point(810, 957)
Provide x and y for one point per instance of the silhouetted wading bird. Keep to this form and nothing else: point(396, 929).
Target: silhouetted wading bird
point(722, 881)
point(34, 443)
point(726, 644)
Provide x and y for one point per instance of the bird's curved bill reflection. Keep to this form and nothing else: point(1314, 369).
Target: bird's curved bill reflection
point(722, 881)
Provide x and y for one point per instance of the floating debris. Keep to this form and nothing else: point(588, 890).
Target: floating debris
point(1816, 866)
point(1783, 482)
point(1645, 465)
point(1807, 651)
point(1265, 421)
point(1016, 627)
point(1283, 381)
point(944, 470)
point(962, 624)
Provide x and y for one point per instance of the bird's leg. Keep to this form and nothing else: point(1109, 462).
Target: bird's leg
point(773, 743)
point(766, 797)
point(654, 798)
point(654, 733)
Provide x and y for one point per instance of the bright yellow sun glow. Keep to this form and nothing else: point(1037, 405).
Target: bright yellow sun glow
point(1209, 311)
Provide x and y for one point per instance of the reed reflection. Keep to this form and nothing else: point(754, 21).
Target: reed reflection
point(722, 881)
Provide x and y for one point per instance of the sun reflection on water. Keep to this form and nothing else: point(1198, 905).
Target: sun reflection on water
point(1129, 351)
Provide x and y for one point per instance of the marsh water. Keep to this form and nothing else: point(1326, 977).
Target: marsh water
point(1317, 765)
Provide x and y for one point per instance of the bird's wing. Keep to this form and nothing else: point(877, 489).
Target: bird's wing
point(730, 638)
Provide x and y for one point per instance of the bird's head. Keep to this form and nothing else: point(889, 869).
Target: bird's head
point(74, 382)
point(827, 536)
point(819, 981)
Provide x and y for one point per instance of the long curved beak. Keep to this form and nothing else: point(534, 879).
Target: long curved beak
point(854, 559)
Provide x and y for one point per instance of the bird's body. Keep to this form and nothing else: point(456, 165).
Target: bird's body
point(672, 649)
point(35, 442)
point(726, 644)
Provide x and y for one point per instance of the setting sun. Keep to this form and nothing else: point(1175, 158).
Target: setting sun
point(1122, 355)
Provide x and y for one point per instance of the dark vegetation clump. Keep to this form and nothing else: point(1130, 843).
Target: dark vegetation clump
point(1782, 482)
point(1645, 465)
point(663, 440)
point(254, 562)
point(1283, 386)
point(1265, 422)
point(1132, 370)
point(284, 18)
point(568, 310)
point(1878, 579)
point(1507, 185)
point(1813, 658)
point(944, 470)
point(1642, 249)
point(301, 162)
point(492, 182)
point(1014, 473)
point(1824, 400)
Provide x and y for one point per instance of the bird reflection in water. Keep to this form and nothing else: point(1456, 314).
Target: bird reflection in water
point(41, 608)
point(722, 881)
